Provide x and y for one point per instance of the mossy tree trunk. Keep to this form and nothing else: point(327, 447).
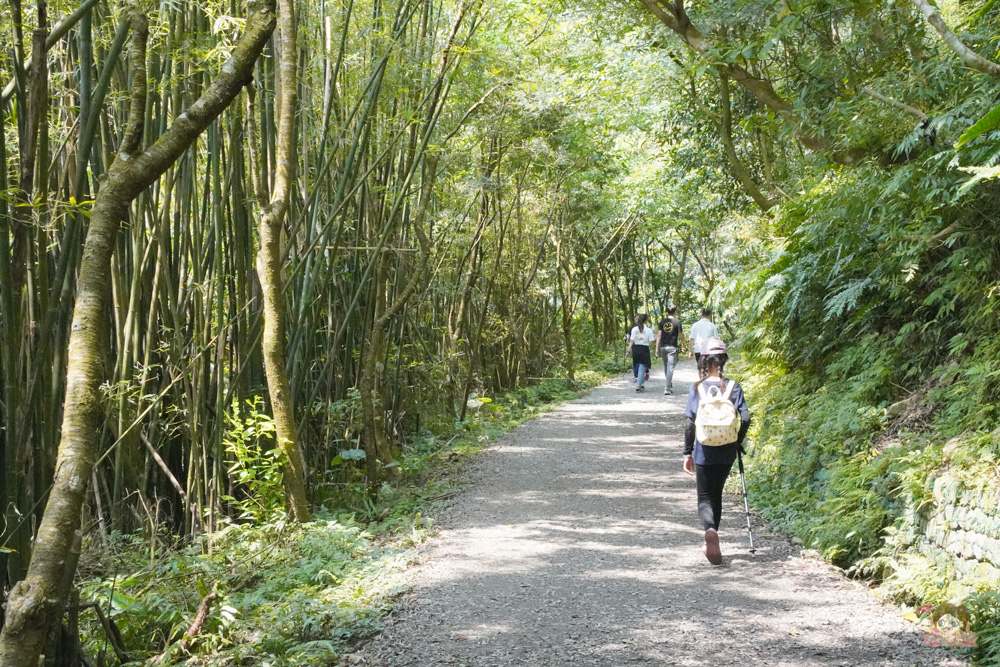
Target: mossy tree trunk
point(269, 266)
point(33, 604)
point(740, 170)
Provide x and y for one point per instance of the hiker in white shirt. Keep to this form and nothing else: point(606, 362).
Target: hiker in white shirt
point(701, 331)
point(641, 337)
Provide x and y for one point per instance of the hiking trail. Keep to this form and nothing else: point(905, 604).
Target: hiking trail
point(577, 542)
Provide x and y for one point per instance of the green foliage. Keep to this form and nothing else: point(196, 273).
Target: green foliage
point(985, 608)
point(814, 471)
point(256, 463)
point(289, 594)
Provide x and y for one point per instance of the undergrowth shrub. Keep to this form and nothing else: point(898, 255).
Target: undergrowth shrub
point(289, 594)
point(256, 461)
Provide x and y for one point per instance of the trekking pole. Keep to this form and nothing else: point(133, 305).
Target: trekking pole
point(746, 504)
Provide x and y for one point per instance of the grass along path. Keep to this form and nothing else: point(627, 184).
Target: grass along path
point(577, 543)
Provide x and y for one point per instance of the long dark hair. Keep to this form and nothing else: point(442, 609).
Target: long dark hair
point(708, 361)
point(640, 320)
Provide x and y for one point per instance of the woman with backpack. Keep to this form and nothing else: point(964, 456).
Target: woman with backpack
point(641, 337)
point(717, 422)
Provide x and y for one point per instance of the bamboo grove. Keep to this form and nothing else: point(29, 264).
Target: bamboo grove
point(417, 231)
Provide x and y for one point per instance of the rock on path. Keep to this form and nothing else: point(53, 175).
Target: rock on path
point(577, 543)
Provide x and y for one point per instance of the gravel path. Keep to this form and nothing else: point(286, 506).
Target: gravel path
point(577, 543)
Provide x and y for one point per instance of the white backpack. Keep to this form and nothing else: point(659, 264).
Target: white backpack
point(717, 422)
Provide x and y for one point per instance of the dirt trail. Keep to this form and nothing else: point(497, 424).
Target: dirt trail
point(577, 543)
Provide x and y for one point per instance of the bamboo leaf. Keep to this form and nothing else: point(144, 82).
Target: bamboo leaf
point(981, 127)
point(979, 174)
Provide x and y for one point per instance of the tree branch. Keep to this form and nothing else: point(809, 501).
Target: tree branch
point(913, 111)
point(137, 65)
point(675, 17)
point(968, 56)
point(739, 169)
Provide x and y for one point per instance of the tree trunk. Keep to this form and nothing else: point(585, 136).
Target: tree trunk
point(739, 169)
point(33, 603)
point(681, 273)
point(457, 321)
point(564, 289)
point(269, 268)
point(378, 452)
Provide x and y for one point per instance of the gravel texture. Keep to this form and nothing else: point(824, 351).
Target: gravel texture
point(577, 542)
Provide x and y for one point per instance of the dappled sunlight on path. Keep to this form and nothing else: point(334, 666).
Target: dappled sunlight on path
point(577, 543)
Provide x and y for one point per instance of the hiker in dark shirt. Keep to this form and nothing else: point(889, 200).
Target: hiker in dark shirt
point(669, 336)
point(710, 466)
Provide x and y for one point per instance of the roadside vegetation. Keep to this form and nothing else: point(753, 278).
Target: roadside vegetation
point(266, 589)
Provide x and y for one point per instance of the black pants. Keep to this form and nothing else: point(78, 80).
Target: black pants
point(710, 481)
point(640, 355)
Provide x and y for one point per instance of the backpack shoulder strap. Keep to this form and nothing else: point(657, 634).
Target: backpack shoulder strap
point(729, 390)
point(701, 390)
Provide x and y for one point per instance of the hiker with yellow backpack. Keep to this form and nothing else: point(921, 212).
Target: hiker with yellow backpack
point(717, 422)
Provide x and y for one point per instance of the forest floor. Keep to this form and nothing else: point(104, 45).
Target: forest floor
point(576, 542)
